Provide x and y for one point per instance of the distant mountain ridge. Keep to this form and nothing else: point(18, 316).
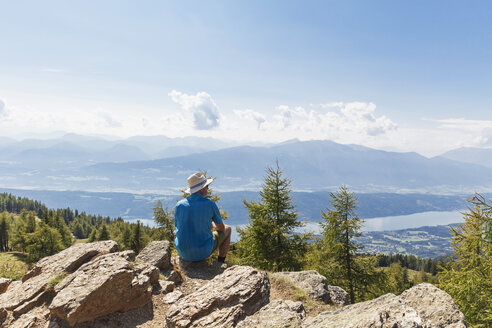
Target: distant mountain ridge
point(480, 156)
point(312, 165)
point(128, 165)
point(89, 150)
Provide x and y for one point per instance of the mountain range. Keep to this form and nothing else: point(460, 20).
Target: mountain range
point(162, 164)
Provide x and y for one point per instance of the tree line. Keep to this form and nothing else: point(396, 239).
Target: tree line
point(30, 227)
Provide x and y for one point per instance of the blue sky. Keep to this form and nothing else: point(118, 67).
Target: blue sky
point(395, 75)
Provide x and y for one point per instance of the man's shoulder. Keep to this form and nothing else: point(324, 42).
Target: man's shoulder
point(182, 202)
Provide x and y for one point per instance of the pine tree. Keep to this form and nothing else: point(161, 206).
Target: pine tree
point(165, 221)
point(126, 238)
point(137, 241)
point(341, 225)
point(335, 256)
point(61, 226)
point(269, 240)
point(30, 222)
point(4, 234)
point(468, 278)
point(104, 234)
point(93, 235)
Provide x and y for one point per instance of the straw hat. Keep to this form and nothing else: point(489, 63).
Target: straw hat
point(197, 182)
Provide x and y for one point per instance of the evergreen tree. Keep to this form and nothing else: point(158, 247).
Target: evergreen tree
point(93, 235)
point(335, 256)
point(126, 238)
point(269, 241)
point(165, 221)
point(4, 234)
point(468, 278)
point(104, 234)
point(137, 240)
point(341, 225)
point(19, 235)
point(60, 225)
point(30, 222)
point(43, 242)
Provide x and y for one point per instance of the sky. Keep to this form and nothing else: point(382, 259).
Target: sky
point(392, 75)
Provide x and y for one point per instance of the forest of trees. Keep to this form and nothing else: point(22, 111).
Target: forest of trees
point(30, 227)
point(273, 241)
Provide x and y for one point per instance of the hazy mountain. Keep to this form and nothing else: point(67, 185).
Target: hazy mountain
point(312, 165)
point(84, 150)
point(480, 156)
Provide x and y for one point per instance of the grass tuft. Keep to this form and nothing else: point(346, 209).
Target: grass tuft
point(53, 282)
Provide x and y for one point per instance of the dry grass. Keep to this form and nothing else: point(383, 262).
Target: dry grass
point(13, 265)
point(282, 288)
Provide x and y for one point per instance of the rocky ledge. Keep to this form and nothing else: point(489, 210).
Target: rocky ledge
point(94, 285)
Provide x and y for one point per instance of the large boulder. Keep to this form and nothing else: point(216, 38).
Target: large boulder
point(156, 253)
point(71, 258)
point(105, 285)
point(385, 311)
point(278, 313)
point(419, 307)
point(434, 306)
point(315, 286)
point(35, 284)
point(222, 302)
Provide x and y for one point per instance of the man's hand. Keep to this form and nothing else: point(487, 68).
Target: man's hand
point(218, 227)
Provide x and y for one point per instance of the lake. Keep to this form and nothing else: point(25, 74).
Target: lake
point(394, 222)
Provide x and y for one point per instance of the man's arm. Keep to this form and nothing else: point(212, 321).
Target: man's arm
point(218, 227)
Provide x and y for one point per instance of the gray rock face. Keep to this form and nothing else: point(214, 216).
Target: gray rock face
point(166, 286)
point(157, 253)
point(385, 311)
point(36, 282)
point(127, 255)
point(278, 313)
point(103, 286)
point(338, 296)
point(314, 285)
point(4, 284)
point(81, 283)
point(71, 258)
point(422, 306)
point(224, 301)
point(434, 306)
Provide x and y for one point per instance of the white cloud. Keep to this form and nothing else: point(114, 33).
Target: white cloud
point(251, 115)
point(291, 117)
point(205, 112)
point(478, 132)
point(109, 120)
point(344, 122)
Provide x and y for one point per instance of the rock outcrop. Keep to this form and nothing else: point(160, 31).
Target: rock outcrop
point(224, 301)
point(94, 285)
point(434, 306)
point(315, 286)
point(415, 308)
point(157, 253)
point(35, 285)
point(101, 287)
point(81, 283)
point(278, 313)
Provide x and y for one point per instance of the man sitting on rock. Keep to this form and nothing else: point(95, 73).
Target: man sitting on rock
point(195, 218)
